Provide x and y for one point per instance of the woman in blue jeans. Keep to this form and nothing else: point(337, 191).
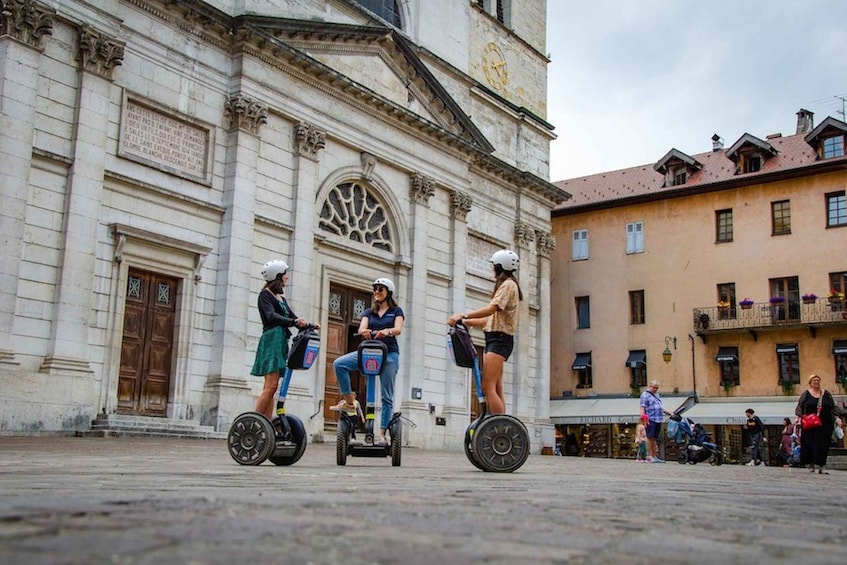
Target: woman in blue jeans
point(382, 321)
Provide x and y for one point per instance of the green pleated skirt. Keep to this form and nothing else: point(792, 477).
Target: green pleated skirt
point(271, 352)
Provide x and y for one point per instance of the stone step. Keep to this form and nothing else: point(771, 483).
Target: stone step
point(115, 425)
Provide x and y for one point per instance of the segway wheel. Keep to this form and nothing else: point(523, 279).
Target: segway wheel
point(342, 441)
point(469, 452)
point(716, 458)
point(298, 437)
point(682, 457)
point(250, 439)
point(501, 443)
point(396, 431)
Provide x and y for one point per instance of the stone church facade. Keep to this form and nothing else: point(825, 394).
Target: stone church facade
point(157, 153)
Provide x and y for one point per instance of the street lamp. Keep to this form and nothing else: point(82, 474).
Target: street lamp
point(667, 354)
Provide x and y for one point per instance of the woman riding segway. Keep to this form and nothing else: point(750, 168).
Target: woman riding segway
point(495, 441)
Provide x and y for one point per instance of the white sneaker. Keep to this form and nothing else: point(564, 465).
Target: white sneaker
point(751, 463)
point(761, 464)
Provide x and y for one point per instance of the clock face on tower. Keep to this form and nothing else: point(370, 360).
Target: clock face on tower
point(494, 66)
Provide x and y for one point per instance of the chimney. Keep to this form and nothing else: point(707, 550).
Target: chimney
point(717, 142)
point(805, 121)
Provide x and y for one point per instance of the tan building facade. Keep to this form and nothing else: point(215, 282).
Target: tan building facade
point(661, 260)
point(156, 154)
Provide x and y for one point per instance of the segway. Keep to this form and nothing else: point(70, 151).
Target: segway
point(372, 355)
point(253, 438)
point(497, 443)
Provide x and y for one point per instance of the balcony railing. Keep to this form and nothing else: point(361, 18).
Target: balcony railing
point(764, 315)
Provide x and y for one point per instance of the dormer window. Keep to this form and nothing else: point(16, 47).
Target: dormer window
point(677, 167)
point(833, 146)
point(750, 153)
point(750, 163)
point(828, 138)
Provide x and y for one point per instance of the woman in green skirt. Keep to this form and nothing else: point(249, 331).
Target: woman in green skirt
point(277, 318)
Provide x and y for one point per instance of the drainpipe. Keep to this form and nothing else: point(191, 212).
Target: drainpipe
point(693, 369)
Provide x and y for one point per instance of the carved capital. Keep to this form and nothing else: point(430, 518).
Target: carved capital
point(422, 188)
point(26, 21)
point(99, 53)
point(310, 140)
point(524, 234)
point(460, 204)
point(545, 243)
point(368, 164)
point(245, 113)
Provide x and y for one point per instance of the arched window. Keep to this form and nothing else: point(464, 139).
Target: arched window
point(385, 9)
point(351, 211)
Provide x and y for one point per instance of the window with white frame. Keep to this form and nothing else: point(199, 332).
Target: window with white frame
point(580, 245)
point(836, 209)
point(635, 237)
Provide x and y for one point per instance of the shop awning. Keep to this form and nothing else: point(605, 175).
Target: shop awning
point(636, 359)
point(732, 413)
point(839, 347)
point(601, 410)
point(727, 355)
point(786, 348)
point(582, 362)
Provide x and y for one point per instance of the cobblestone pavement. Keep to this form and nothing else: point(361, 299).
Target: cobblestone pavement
point(105, 500)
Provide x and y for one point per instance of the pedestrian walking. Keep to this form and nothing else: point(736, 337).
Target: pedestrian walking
point(815, 437)
point(641, 439)
point(756, 429)
point(651, 407)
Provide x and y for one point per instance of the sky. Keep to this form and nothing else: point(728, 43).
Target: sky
point(631, 79)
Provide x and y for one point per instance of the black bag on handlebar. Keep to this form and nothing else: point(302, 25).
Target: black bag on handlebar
point(304, 349)
point(461, 346)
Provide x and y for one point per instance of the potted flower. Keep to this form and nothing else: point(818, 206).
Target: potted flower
point(727, 386)
point(723, 305)
point(809, 298)
point(835, 296)
point(777, 300)
point(787, 387)
point(746, 304)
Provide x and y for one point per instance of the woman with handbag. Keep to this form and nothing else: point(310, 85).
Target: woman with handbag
point(816, 410)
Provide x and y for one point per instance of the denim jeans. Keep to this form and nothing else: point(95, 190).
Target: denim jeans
point(350, 362)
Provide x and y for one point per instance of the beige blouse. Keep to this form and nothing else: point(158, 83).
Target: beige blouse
point(505, 318)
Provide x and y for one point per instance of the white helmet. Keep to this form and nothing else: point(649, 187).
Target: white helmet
point(387, 283)
point(507, 259)
point(272, 269)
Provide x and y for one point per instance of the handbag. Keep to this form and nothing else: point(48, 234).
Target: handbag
point(812, 421)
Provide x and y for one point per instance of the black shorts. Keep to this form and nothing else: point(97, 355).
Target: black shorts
point(500, 343)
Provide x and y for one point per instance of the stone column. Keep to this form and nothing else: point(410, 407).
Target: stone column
point(226, 386)
point(458, 386)
point(413, 359)
point(98, 56)
point(309, 141)
point(545, 245)
point(24, 24)
point(523, 381)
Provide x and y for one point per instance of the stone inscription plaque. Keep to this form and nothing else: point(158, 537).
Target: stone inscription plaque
point(165, 142)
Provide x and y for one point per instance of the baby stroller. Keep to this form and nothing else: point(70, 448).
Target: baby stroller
point(695, 442)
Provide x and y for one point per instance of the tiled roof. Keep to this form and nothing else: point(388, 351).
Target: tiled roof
point(793, 153)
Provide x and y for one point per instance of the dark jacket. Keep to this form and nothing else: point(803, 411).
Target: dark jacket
point(273, 314)
point(829, 411)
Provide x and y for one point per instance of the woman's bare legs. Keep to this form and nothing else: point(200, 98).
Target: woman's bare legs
point(265, 402)
point(492, 383)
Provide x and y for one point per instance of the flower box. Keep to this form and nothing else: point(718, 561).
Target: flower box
point(746, 304)
point(810, 298)
point(777, 300)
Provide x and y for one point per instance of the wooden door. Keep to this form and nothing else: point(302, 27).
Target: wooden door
point(147, 345)
point(346, 306)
